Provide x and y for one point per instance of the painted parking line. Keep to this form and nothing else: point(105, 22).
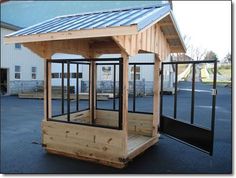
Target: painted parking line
point(187, 89)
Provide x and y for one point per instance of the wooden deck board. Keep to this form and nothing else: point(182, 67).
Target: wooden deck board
point(135, 141)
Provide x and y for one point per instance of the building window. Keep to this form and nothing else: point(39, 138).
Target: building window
point(17, 72)
point(74, 75)
point(17, 46)
point(55, 75)
point(106, 72)
point(34, 71)
point(137, 73)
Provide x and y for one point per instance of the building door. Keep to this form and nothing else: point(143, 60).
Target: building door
point(189, 114)
point(3, 81)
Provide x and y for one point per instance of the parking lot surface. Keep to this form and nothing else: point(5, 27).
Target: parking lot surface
point(21, 150)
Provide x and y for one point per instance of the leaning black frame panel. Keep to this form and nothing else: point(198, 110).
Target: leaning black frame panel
point(200, 138)
point(88, 62)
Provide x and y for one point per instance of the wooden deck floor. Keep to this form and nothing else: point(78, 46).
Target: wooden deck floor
point(135, 141)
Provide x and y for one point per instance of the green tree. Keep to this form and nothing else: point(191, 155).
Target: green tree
point(228, 58)
point(210, 55)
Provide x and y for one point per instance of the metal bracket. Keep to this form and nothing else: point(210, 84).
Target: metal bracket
point(214, 92)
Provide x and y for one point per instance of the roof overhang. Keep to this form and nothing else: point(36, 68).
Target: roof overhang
point(77, 34)
point(9, 26)
point(178, 32)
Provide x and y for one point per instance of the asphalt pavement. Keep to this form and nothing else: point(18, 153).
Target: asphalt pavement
point(21, 150)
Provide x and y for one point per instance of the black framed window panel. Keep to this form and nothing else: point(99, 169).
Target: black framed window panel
point(77, 87)
point(204, 75)
point(73, 87)
point(105, 86)
point(131, 88)
point(116, 87)
point(143, 88)
point(47, 99)
point(84, 76)
point(68, 91)
point(56, 88)
point(167, 80)
point(185, 91)
point(62, 88)
point(120, 114)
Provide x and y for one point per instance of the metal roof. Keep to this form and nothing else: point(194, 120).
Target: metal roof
point(10, 26)
point(141, 17)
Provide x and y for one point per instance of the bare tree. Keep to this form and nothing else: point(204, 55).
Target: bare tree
point(197, 53)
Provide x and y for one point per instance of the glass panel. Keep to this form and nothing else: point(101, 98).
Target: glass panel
point(17, 68)
point(105, 85)
point(203, 97)
point(168, 90)
point(130, 88)
point(17, 75)
point(84, 86)
point(184, 92)
point(144, 89)
point(33, 69)
point(33, 76)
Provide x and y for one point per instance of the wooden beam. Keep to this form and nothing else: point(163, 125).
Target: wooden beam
point(49, 93)
point(170, 37)
point(109, 47)
point(77, 34)
point(162, 24)
point(125, 100)
point(156, 97)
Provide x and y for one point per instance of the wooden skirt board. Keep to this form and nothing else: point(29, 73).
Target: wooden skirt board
point(100, 145)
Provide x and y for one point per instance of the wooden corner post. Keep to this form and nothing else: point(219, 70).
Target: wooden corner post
point(47, 90)
point(125, 99)
point(156, 95)
point(92, 91)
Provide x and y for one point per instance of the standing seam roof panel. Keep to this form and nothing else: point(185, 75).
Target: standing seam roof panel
point(140, 16)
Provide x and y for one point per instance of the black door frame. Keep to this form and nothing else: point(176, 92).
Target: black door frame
point(188, 133)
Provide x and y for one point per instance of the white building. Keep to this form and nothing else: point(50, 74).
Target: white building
point(105, 75)
point(21, 70)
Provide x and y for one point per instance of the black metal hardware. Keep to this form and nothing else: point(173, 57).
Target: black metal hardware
point(193, 94)
point(77, 87)
point(68, 91)
point(93, 80)
point(121, 63)
point(213, 108)
point(176, 85)
point(62, 88)
point(114, 87)
point(47, 111)
point(188, 133)
point(134, 89)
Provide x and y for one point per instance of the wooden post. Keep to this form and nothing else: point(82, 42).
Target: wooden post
point(92, 91)
point(125, 100)
point(156, 97)
point(47, 91)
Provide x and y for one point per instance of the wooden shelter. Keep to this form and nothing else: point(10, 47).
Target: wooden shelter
point(120, 135)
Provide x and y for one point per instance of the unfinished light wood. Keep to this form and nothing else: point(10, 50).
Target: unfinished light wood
point(79, 117)
point(156, 94)
point(49, 95)
point(77, 34)
point(125, 99)
point(84, 141)
point(141, 124)
point(152, 40)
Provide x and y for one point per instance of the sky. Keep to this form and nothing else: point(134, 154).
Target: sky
point(206, 23)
